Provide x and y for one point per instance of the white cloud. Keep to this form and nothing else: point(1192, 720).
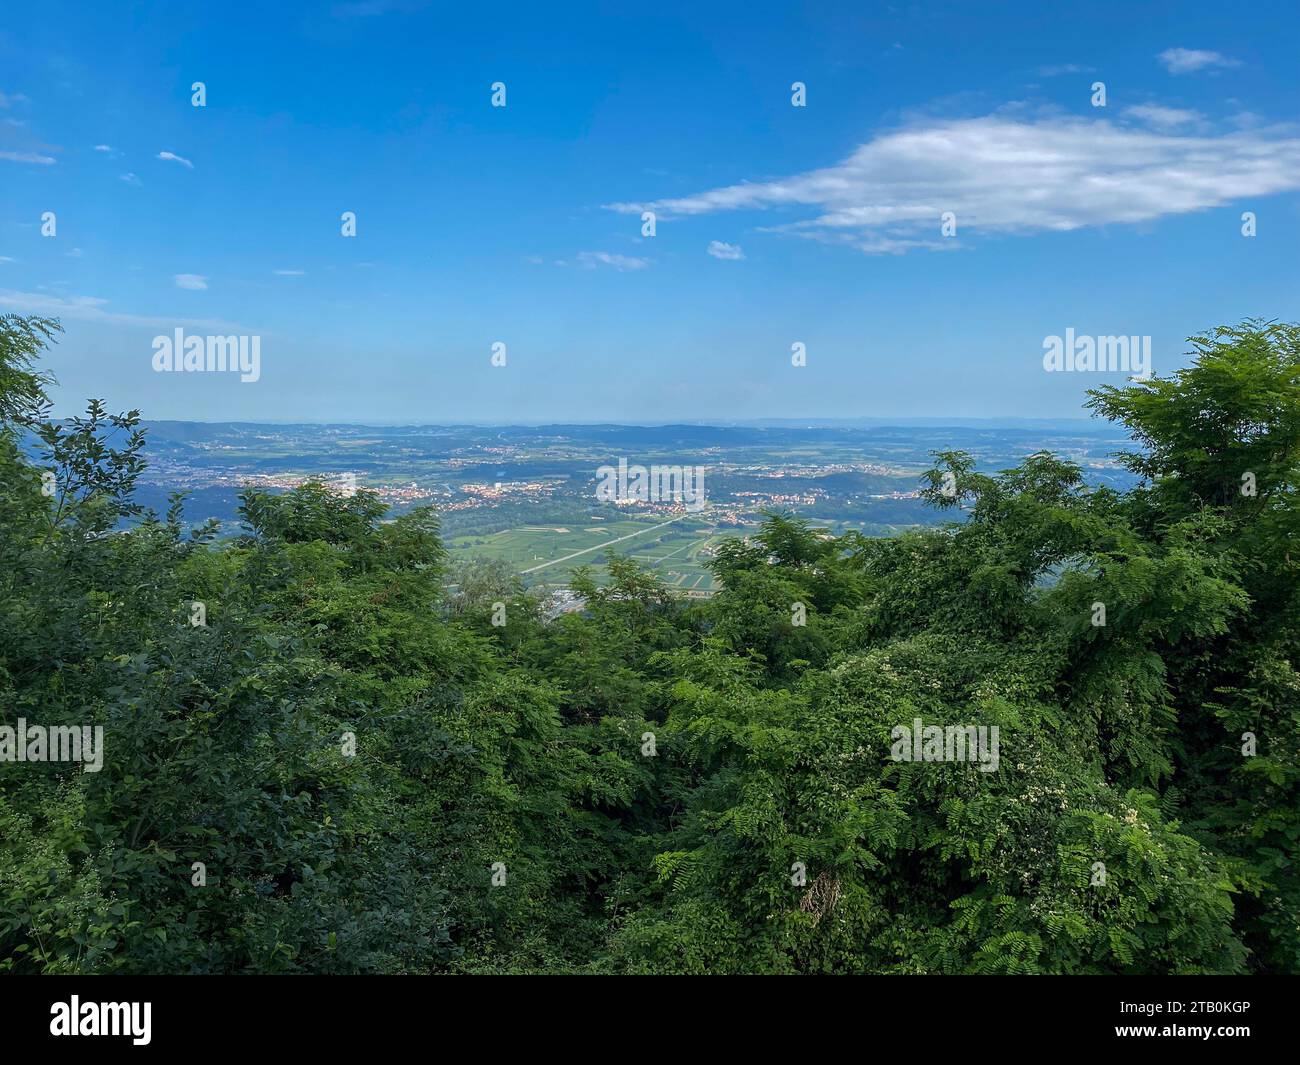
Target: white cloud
point(1188, 60)
point(7, 259)
point(76, 253)
point(873, 245)
point(194, 282)
point(1063, 68)
point(7, 100)
point(130, 179)
point(175, 159)
point(290, 273)
point(28, 157)
point(1008, 174)
point(103, 148)
point(1163, 117)
point(91, 309)
point(720, 249)
point(622, 263)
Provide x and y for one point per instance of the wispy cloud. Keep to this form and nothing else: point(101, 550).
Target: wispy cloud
point(92, 309)
point(1163, 117)
point(1188, 60)
point(171, 157)
point(103, 148)
point(130, 179)
point(290, 273)
point(193, 282)
point(720, 249)
point(28, 157)
point(622, 263)
point(1007, 174)
point(7, 100)
point(1063, 68)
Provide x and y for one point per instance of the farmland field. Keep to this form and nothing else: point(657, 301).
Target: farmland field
point(676, 550)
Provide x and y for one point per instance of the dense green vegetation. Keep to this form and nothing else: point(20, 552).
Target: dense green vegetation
point(359, 759)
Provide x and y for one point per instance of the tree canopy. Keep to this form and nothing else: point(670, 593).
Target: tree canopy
point(323, 754)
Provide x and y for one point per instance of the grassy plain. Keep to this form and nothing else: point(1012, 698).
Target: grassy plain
point(676, 551)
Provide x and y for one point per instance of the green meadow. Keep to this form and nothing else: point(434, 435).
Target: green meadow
point(548, 554)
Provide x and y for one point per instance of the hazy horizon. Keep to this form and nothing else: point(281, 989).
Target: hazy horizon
point(936, 421)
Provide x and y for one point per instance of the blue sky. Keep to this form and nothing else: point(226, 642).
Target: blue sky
point(522, 224)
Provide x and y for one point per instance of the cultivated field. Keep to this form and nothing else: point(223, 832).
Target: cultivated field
point(546, 555)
